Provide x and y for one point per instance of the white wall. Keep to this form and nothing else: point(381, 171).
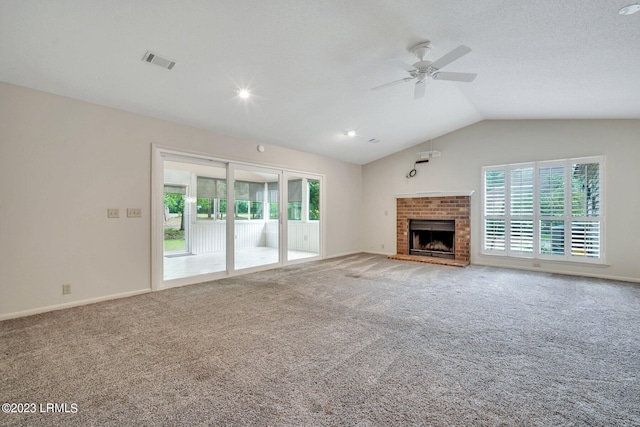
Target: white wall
point(64, 162)
point(465, 151)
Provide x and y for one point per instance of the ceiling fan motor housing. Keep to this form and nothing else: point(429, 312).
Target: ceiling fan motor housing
point(421, 50)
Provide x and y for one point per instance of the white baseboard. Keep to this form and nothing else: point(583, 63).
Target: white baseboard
point(567, 273)
point(379, 253)
point(342, 254)
point(48, 308)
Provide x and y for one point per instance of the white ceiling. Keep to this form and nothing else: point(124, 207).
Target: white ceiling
point(310, 64)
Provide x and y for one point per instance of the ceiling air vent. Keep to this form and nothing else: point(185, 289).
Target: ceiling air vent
point(152, 58)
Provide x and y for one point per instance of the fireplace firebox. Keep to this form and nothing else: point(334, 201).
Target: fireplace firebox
point(435, 238)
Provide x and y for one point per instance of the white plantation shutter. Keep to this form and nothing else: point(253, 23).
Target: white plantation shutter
point(495, 192)
point(551, 202)
point(585, 209)
point(585, 190)
point(585, 239)
point(552, 237)
point(521, 209)
point(547, 210)
point(521, 187)
point(494, 210)
point(494, 239)
point(521, 236)
point(551, 190)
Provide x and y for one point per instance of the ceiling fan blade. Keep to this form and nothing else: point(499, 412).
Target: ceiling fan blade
point(400, 64)
point(456, 53)
point(420, 89)
point(406, 79)
point(454, 77)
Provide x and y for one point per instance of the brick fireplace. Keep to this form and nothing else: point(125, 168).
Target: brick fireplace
point(436, 207)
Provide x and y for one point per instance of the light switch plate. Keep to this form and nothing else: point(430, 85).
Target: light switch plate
point(134, 213)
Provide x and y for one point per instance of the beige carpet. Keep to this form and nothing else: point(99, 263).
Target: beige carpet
point(358, 340)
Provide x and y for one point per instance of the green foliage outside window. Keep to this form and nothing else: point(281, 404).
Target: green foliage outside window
point(314, 200)
point(257, 211)
point(242, 209)
point(175, 202)
point(585, 195)
point(207, 208)
point(273, 210)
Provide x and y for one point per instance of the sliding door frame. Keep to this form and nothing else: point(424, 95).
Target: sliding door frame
point(285, 227)
point(231, 224)
point(160, 153)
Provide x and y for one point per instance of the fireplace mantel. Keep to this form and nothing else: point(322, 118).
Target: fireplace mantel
point(434, 194)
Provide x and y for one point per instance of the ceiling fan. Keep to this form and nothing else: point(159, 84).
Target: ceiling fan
point(422, 69)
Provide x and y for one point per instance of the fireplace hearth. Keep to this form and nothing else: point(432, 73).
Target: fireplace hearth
point(434, 238)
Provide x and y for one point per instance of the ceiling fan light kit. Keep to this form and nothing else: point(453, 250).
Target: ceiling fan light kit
point(422, 70)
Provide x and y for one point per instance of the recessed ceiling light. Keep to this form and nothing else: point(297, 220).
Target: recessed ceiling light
point(243, 93)
point(351, 133)
point(629, 10)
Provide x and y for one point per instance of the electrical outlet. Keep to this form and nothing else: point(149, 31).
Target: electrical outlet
point(382, 246)
point(536, 264)
point(113, 213)
point(134, 213)
point(66, 289)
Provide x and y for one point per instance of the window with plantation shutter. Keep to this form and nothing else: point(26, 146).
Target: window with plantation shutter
point(551, 201)
point(494, 210)
point(547, 210)
point(585, 209)
point(521, 210)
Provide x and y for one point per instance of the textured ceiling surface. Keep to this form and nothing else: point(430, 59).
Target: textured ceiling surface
point(310, 64)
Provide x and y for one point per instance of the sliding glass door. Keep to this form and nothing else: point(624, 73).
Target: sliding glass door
point(214, 218)
point(194, 217)
point(256, 210)
point(303, 216)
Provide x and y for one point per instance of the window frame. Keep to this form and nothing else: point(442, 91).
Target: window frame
point(302, 207)
point(512, 218)
point(218, 214)
point(566, 197)
point(250, 202)
point(567, 217)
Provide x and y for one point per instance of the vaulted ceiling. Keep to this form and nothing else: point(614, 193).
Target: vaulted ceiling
point(310, 65)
